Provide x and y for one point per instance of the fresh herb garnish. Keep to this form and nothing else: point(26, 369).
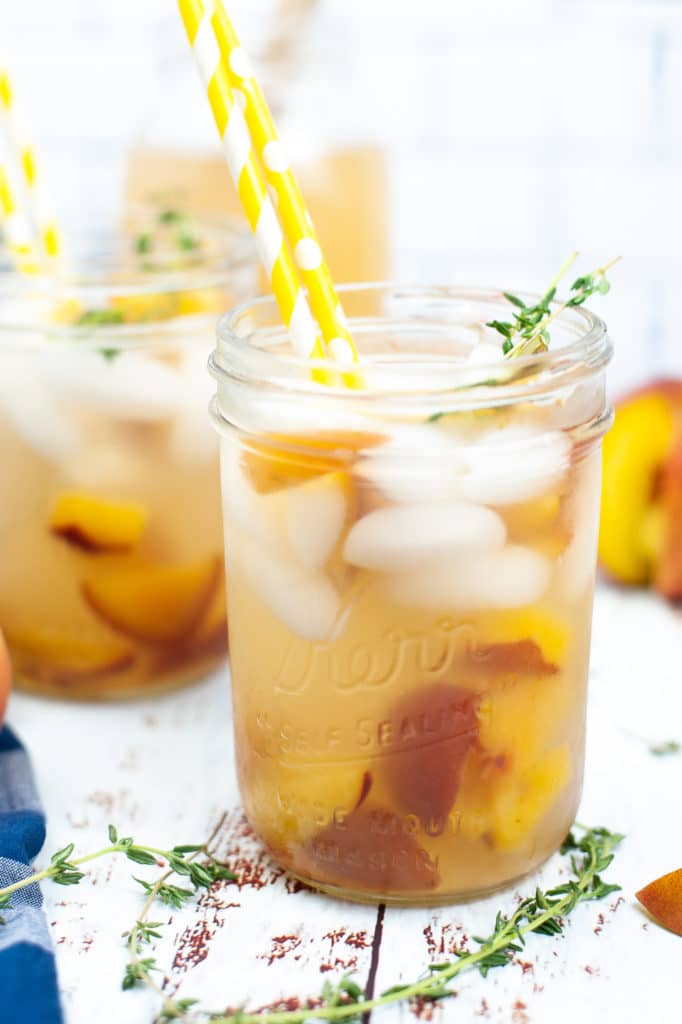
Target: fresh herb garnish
point(187, 241)
point(144, 243)
point(543, 913)
point(185, 237)
point(528, 332)
point(100, 318)
point(170, 216)
point(666, 748)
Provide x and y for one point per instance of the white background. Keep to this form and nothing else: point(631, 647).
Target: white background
point(517, 130)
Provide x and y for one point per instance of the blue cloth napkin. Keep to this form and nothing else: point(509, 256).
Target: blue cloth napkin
point(28, 977)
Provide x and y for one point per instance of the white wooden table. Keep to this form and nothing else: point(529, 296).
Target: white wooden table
point(162, 770)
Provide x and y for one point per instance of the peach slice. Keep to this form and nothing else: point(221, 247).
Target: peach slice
point(520, 721)
point(532, 519)
point(428, 736)
point(293, 801)
point(154, 604)
point(548, 634)
point(522, 800)
point(136, 309)
point(96, 524)
point(208, 643)
point(663, 899)
point(201, 300)
point(635, 451)
point(54, 656)
point(280, 461)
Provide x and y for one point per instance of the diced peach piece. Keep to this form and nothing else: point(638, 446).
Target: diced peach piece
point(526, 521)
point(663, 900)
point(281, 461)
point(54, 656)
point(519, 721)
point(549, 634)
point(292, 802)
point(520, 800)
point(429, 734)
point(510, 659)
point(137, 309)
point(154, 604)
point(201, 300)
point(207, 643)
point(96, 524)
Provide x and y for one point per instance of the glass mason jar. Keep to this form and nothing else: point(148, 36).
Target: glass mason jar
point(111, 567)
point(410, 578)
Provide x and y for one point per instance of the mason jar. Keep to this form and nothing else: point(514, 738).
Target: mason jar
point(410, 571)
point(111, 567)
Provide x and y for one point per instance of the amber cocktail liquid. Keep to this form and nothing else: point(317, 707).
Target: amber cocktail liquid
point(111, 579)
point(410, 580)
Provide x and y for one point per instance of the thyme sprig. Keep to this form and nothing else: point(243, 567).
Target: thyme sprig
point(665, 748)
point(528, 332)
point(64, 869)
point(543, 913)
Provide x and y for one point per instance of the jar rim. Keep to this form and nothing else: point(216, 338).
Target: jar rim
point(246, 356)
point(100, 270)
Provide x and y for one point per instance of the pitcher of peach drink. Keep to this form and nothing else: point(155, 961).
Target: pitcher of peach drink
point(110, 525)
point(410, 576)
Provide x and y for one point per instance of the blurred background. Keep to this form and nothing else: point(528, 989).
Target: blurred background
point(478, 141)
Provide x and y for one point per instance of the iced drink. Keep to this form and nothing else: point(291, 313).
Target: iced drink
point(112, 577)
point(410, 581)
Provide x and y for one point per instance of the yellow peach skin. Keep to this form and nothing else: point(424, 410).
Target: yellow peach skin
point(634, 452)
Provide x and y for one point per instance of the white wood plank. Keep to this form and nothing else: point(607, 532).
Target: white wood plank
point(162, 770)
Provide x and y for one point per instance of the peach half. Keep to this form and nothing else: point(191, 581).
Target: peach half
point(640, 538)
point(663, 899)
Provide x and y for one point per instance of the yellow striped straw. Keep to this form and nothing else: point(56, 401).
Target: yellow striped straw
point(296, 220)
point(40, 205)
point(250, 182)
point(211, 36)
point(17, 228)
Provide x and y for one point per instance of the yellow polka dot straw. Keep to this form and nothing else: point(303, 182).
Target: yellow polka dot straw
point(26, 159)
point(256, 159)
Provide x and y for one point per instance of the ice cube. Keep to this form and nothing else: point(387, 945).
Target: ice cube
point(419, 463)
point(37, 418)
point(509, 578)
point(242, 505)
point(315, 515)
point(408, 536)
point(514, 464)
point(305, 602)
point(129, 386)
